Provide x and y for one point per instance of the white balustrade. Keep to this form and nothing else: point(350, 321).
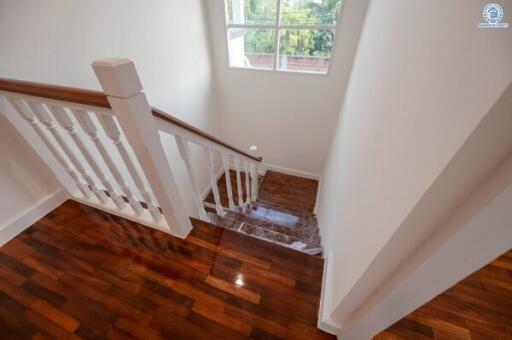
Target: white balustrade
point(41, 112)
point(26, 114)
point(254, 181)
point(213, 180)
point(226, 163)
point(63, 119)
point(247, 185)
point(184, 151)
point(136, 161)
point(111, 129)
point(119, 80)
point(239, 183)
point(89, 128)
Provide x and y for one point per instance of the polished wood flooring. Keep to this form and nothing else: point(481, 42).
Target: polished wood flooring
point(223, 193)
point(283, 216)
point(291, 192)
point(83, 273)
point(478, 307)
point(278, 190)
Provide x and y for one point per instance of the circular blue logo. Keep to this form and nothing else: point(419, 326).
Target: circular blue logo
point(493, 13)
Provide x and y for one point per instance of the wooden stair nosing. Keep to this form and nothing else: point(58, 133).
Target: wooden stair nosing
point(234, 225)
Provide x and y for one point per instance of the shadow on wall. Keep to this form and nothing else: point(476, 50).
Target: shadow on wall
point(466, 186)
point(24, 179)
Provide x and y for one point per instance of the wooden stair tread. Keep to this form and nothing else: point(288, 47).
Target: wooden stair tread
point(274, 217)
point(264, 234)
point(301, 232)
point(277, 207)
point(288, 191)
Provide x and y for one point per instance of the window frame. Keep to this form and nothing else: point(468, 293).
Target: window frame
point(277, 27)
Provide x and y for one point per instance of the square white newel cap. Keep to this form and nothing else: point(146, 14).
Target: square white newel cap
point(117, 76)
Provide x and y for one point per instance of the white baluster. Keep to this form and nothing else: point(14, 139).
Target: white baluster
point(213, 181)
point(184, 150)
point(64, 121)
point(89, 128)
point(247, 185)
point(254, 182)
point(225, 162)
point(29, 117)
point(123, 88)
point(239, 183)
point(41, 112)
point(111, 129)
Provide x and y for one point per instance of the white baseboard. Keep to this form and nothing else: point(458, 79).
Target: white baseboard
point(24, 220)
point(292, 172)
point(325, 322)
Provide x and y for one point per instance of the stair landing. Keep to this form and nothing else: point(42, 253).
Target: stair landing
point(290, 192)
point(283, 212)
point(279, 190)
point(83, 273)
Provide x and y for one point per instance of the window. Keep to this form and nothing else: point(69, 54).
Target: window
point(282, 35)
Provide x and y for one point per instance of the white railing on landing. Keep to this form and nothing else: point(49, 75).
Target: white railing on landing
point(106, 151)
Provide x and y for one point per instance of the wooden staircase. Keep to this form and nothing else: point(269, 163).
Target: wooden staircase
point(282, 214)
point(106, 151)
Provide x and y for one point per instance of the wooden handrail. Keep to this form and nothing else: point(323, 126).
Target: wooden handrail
point(99, 99)
point(55, 92)
point(168, 118)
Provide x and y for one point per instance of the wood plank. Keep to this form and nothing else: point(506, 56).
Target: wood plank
point(234, 289)
point(175, 121)
point(478, 307)
point(55, 315)
point(48, 326)
point(55, 92)
point(107, 277)
point(137, 330)
point(214, 314)
point(99, 99)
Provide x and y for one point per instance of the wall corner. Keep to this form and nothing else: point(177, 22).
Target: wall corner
point(325, 321)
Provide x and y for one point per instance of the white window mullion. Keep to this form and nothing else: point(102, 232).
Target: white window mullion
point(283, 27)
point(276, 43)
point(307, 27)
point(238, 11)
point(254, 26)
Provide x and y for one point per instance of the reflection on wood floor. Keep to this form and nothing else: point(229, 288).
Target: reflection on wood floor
point(82, 273)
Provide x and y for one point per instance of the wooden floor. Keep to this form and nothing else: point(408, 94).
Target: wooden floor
point(282, 214)
point(223, 193)
point(479, 307)
point(276, 189)
point(82, 273)
point(291, 192)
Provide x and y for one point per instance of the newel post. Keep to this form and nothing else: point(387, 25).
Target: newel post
point(119, 79)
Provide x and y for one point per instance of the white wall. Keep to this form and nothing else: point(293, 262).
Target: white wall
point(290, 117)
point(25, 182)
point(477, 233)
point(422, 81)
point(55, 41)
point(488, 145)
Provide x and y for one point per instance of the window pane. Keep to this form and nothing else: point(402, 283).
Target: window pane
point(309, 12)
point(305, 50)
point(251, 11)
point(251, 48)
